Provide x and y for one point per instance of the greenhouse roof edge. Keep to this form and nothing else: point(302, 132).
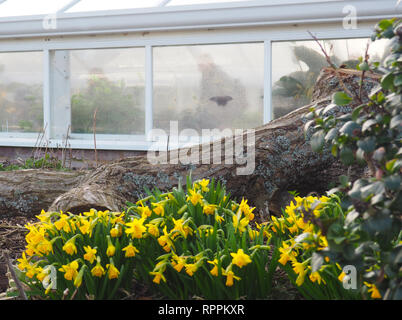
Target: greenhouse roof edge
point(236, 14)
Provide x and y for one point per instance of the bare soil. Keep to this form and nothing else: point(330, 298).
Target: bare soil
point(12, 239)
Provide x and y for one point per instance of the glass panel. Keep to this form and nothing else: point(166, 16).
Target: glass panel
point(21, 92)
point(296, 66)
point(209, 86)
point(94, 5)
point(30, 7)
point(111, 81)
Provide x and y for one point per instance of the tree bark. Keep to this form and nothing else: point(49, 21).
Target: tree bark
point(27, 192)
point(283, 158)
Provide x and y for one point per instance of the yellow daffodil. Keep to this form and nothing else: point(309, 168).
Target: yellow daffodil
point(240, 259)
point(194, 197)
point(290, 210)
point(323, 242)
point(111, 249)
point(117, 218)
point(241, 226)
point(30, 271)
point(70, 247)
point(191, 268)
point(153, 229)
point(130, 250)
point(44, 216)
point(204, 185)
point(219, 218)
point(293, 228)
point(266, 232)
point(112, 271)
point(158, 209)
point(62, 223)
point(375, 294)
point(23, 262)
point(91, 213)
point(286, 253)
point(44, 247)
point(90, 254)
point(209, 209)
point(215, 271)
point(230, 276)
point(315, 276)
point(277, 224)
point(158, 276)
point(84, 226)
point(300, 277)
point(164, 240)
point(301, 223)
point(298, 267)
point(34, 235)
point(70, 270)
point(245, 208)
point(41, 273)
point(30, 249)
point(103, 215)
point(145, 211)
point(178, 262)
point(98, 270)
point(116, 231)
point(341, 276)
point(136, 228)
point(181, 228)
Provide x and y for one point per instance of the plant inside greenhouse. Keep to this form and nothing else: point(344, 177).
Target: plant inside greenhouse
point(212, 151)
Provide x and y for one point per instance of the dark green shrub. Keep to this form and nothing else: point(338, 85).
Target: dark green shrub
point(370, 236)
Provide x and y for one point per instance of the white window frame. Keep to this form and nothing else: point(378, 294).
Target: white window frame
point(265, 21)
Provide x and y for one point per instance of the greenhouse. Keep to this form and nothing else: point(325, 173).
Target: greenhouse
point(142, 64)
point(201, 150)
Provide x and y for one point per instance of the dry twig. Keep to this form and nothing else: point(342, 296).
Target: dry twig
point(14, 276)
point(366, 58)
point(329, 61)
point(64, 150)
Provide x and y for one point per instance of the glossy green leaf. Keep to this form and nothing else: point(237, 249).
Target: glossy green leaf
point(317, 140)
point(341, 99)
point(346, 155)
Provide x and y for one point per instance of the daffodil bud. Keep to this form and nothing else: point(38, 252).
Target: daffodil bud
point(78, 278)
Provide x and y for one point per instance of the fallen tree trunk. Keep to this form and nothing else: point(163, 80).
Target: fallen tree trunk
point(283, 161)
point(27, 192)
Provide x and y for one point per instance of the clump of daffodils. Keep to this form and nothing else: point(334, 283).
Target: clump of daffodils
point(84, 256)
point(302, 247)
point(194, 239)
point(202, 243)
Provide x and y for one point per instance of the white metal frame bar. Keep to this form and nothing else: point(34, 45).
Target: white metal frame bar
point(148, 91)
point(227, 36)
point(46, 94)
point(267, 111)
point(191, 17)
